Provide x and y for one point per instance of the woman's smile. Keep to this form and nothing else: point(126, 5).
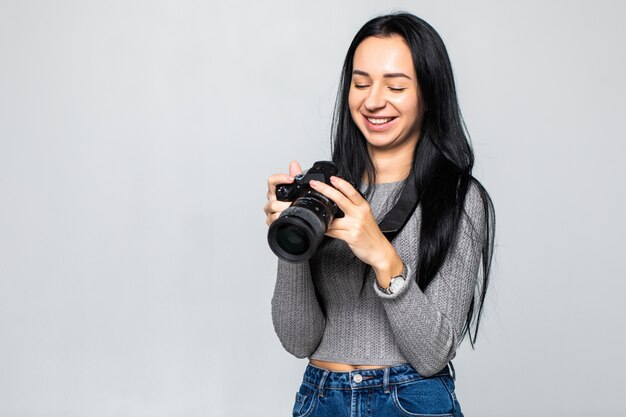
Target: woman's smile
point(379, 124)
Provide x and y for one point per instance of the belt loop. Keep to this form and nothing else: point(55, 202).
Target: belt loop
point(322, 382)
point(452, 371)
point(386, 381)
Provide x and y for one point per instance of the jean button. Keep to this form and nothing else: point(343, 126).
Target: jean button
point(357, 378)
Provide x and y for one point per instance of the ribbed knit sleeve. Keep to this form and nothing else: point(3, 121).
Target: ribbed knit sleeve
point(427, 325)
point(296, 314)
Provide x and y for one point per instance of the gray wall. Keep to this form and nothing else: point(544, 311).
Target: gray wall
point(135, 142)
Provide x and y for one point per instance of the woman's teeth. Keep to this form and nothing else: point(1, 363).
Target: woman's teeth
point(379, 121)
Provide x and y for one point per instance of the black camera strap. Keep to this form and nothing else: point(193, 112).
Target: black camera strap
point(399, 215)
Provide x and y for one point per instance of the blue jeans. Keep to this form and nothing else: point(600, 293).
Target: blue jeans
point(387, 392)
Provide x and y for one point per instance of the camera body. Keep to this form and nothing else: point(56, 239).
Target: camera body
point(301, 188)
point(295, 235)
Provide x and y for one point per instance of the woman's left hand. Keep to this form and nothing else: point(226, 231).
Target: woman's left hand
point(358, 228)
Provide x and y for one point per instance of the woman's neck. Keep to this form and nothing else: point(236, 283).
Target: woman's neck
point(391, 166)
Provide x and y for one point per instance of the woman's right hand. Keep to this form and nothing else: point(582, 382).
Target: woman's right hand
point(273, 207)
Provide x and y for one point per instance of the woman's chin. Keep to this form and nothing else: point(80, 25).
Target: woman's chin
point(381, 144)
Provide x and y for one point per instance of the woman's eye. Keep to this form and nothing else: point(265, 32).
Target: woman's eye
point(396, 89)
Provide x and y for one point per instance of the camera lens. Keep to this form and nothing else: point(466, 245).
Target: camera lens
point(292, 239)
point(295, 235)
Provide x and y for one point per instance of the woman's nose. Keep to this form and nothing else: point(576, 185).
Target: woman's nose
point(375, 100)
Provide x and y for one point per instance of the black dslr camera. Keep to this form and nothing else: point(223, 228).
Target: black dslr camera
point(295, 235)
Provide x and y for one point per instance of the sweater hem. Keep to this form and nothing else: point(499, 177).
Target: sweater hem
point(362, 360)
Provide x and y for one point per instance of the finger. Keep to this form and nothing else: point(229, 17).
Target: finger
point(348, 190)
point(273, 181)
point(274, 216)
point(340, 224)
point(335, 195)
point(338, 234)
point(275, 206)
point(294, 168)
point(269, 219)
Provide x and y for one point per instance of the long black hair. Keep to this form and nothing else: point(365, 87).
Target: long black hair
point(443, 158)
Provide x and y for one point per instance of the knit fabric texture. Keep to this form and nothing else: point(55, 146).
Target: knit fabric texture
point(365, 326)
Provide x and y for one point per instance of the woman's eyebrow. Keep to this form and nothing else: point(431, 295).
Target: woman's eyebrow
point(389, 75)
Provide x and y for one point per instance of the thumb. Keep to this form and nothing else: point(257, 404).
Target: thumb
point(294, 168)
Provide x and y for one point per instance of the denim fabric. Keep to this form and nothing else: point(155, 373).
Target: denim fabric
point(388, 392)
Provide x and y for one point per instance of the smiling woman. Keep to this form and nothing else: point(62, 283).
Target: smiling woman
point(380, 320)
point(385, 101)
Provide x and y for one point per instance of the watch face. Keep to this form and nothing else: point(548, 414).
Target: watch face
point(396, 284)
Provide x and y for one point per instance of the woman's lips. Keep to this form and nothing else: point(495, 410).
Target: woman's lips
point(379, 127)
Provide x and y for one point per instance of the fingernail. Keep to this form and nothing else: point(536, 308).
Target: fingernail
point(313, 183)
point(290, 178)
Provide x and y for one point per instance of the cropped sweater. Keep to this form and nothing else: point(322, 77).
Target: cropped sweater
point(363, 325)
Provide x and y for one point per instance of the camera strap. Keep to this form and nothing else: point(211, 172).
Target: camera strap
point(399, 215)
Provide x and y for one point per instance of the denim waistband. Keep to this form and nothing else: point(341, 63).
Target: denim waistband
point(366, 378)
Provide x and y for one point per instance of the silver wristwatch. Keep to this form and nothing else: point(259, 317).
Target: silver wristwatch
point(396, 283)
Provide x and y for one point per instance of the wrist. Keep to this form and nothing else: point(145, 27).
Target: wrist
point(389, 266)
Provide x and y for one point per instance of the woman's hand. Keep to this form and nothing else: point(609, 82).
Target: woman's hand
point(360, 230)
point(273, 207)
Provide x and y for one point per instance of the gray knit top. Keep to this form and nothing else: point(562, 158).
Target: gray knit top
point(364, 326)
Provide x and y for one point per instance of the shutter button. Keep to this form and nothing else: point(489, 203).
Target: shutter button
point(358, 378)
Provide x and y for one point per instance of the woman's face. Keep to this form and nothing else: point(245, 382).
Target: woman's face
point(384, 96)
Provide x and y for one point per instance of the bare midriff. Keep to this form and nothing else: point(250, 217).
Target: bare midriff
point(342, 367)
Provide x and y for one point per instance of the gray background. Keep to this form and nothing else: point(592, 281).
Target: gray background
point(135, 142)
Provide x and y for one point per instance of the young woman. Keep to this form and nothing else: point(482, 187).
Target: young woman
point(381, 321)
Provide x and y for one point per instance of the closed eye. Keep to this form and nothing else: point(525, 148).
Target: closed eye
point(396, 89)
